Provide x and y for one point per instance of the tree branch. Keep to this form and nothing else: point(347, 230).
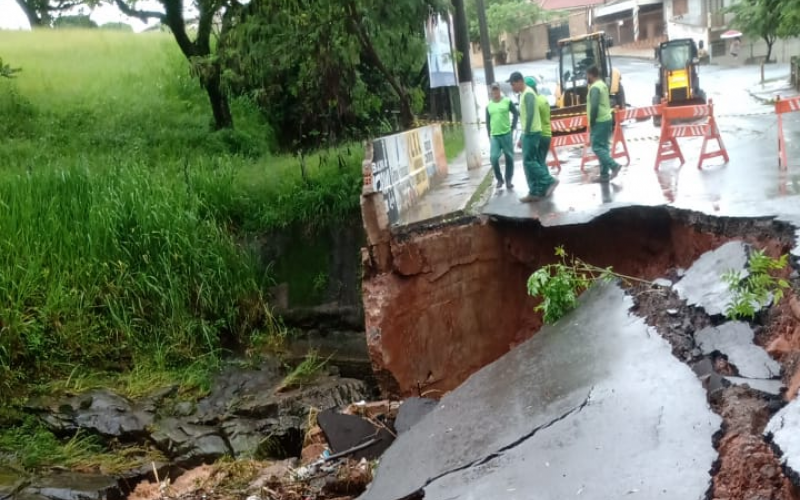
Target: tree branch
point(143, 15)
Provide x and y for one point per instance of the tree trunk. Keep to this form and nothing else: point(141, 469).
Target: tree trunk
point(770, 43)
point(218, 100)
point(518, 43)
point(35, 20)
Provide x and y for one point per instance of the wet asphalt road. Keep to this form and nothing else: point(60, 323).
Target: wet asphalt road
point(751, 184)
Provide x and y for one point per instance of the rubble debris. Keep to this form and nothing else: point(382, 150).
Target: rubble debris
point(703, 286)
point(734, 340)
point(354, 436)
point(73, 486)
point(564, 402)
point(783, 431)
point(771, 387)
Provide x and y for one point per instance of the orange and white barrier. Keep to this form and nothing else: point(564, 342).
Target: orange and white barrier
point(668, 147)
point(784, 106)
point(619, 146)
point(566, 127)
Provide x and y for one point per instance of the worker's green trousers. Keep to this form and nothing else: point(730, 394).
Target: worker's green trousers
point(502, 144)
point(599, 135)
point(539, 179)
point(544, 147)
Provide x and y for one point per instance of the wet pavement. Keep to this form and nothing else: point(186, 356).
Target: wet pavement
point(751, 184)
point(598, 387)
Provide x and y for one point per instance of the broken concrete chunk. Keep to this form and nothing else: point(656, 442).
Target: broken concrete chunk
point(412, 411)
point(598, 387)
point(784, 432)
point(74, 486)
point(735, 340)
point(663, 283)
point(771, 387)
point(703, 286)
point(346, 433)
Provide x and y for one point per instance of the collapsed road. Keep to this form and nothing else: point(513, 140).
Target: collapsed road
point(550, 419)
point(645, 391)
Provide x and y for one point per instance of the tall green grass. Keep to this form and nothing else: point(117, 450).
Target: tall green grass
point(123, 216)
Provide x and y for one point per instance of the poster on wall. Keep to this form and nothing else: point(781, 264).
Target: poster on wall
point(405, 166)
point(441, 64)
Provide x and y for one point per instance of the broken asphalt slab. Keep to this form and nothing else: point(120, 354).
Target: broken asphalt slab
point(782, 431)
point(703, 286)
point(735, 340)
point(595, 405)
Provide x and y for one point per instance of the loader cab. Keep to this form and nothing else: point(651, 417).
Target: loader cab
point(678, 80)
point(576, 56)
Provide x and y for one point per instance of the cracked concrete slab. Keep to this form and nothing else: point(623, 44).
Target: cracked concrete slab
point(771, 387)
point(702, 285)
point(782, 430)
point(735, 340)
point(598, 391)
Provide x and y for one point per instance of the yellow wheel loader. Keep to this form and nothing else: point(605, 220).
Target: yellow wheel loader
point(678, 83)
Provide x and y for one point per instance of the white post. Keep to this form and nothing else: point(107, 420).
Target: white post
point(469, 118)
point(636, 21)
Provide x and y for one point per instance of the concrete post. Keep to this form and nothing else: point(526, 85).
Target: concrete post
point(469, 111)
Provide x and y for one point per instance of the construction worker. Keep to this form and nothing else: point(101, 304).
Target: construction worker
point(540, 183)
point(598, 111)
point(544, 116)
point(500, 127)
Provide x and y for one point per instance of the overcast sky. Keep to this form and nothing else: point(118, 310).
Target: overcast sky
point(12, 17)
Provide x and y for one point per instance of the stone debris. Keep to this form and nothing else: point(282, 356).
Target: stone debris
point(783, 430)
point(735, 341)
point(771, 387)
point(703, 286)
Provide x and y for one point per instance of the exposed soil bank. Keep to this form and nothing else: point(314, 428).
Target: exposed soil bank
point(443, 301)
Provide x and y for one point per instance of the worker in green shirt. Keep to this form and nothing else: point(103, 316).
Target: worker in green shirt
point(598, 110)
point(544, 116)
point(499, 127)
point(540, 183)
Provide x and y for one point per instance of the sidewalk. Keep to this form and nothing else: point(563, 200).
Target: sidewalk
point(453, 195)
point(636, 53)
point(769, 91)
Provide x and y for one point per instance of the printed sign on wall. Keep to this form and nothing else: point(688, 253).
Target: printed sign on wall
point(405, 166)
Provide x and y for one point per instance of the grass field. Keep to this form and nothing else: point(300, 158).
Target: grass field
point(121, 212)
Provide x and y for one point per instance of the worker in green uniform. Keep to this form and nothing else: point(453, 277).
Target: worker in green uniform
point(499, 127)
point(598, 110)
point(540, 183)
point(544, 116)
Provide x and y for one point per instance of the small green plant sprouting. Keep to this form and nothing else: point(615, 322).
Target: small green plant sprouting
point(755, 291)
point(306, 372)
point(320, 283)
point(559, 285)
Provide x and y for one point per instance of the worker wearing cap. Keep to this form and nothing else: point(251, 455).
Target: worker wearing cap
point(540, 183)
point(499, 126)
point(544, 116)
point(598, 111)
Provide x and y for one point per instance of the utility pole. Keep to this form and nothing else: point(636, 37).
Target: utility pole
point(486, 47)
point(469, 108)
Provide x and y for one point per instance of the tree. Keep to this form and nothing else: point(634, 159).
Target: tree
point(117, 27)
point(195, 44)
point(74, 21)
point(328, 70)
point(758, 18)
point(789, 25)
point(511, 18)
point(40, 13)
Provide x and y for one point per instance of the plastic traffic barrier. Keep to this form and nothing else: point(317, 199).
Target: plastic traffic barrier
point(566, 127)
point(783, 106)
point(668, 147)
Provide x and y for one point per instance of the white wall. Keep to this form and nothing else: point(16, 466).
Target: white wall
point(679, 30)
